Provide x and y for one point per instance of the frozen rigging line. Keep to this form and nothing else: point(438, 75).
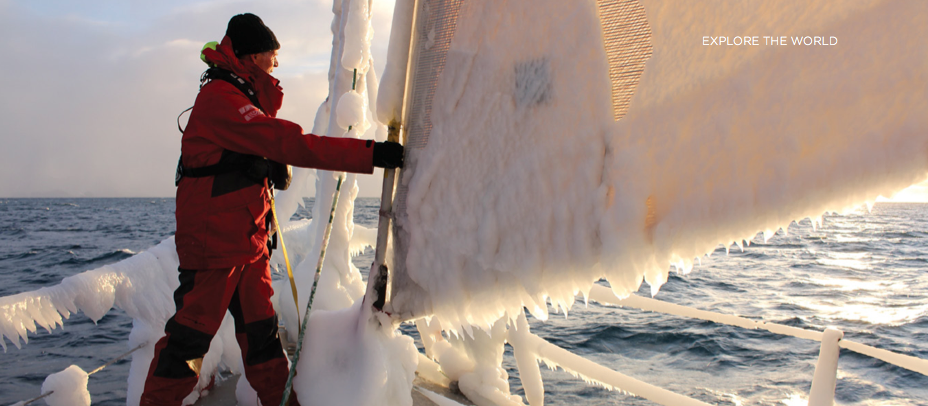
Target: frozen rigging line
point(604, 295)
point(100, 368)
point(299, 345)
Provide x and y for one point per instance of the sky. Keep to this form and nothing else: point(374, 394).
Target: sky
point(93, 88)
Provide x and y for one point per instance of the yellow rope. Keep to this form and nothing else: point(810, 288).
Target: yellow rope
point(283, 247)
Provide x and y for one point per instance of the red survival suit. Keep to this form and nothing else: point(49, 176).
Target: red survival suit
point(221, 230)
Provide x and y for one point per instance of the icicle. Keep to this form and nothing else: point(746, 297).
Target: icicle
point(4, 334)
point(527, 362)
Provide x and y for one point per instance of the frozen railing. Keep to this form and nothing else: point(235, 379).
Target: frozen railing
point(823, 380)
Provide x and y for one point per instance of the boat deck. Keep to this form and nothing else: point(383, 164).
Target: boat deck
point(223, 394)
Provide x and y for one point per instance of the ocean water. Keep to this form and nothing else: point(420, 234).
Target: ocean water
point(863, 273)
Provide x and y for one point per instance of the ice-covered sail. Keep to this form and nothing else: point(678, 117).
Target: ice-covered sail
point(521, 188)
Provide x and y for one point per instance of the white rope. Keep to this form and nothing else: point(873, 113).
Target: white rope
point(42, 396)
point(112, 361)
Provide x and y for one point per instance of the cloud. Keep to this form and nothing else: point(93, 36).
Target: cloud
point(91, 95)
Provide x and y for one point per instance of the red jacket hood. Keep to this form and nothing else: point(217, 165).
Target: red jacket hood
point(270, 94)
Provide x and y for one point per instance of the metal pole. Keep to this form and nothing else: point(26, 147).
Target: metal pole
point(826, 371)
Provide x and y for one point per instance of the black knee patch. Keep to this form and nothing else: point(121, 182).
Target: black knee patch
point(263, 341)
point(184, 344)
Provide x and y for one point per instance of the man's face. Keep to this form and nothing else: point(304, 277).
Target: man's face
point(267, 61)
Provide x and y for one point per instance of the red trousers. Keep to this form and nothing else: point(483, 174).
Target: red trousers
point(201, 302)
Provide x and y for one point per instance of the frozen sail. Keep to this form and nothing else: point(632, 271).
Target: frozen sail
point(522, 189)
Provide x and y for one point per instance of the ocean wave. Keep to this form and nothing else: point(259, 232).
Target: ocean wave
point(903, 234)
point(12, 232)
point(21, 255)
point(726, 286)
point(108, 258)
point(40, 279)
point(788, 245)
point(69, 229)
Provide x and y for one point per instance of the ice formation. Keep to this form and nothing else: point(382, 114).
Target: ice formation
point(141, 285)
point(393, 86)
point(349, 359)
point(356, 53)
point(438, 399)
point(67, 388)
point(528, 191)
point(350, 110)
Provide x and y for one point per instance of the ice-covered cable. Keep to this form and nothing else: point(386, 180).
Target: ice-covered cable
point(358, 35)
point(393, 85)
point(603, 295)
point(905, 361)
point(312, 294)
point(76, 377)
point(590, 371)
point(141, 285)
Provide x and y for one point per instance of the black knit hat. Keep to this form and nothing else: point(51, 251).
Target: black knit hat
point(249, 35)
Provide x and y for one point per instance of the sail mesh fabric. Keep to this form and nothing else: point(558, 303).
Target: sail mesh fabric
point(627, 38)
point(435, 26)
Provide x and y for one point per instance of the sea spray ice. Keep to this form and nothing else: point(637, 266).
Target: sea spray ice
point(350, 110)
point(358, 34)
point(392, 87)
point(497, 203)
point(345, 350)
point(69, 388)
point(518, 202)
point(350, 359)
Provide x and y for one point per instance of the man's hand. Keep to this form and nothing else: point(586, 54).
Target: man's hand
point(388, 155)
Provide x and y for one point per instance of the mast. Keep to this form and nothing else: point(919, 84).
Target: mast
point(391, 107)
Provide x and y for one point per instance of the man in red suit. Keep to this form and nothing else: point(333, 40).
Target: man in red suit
point(233, 151)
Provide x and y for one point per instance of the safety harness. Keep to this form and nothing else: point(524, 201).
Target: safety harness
point(251, 166)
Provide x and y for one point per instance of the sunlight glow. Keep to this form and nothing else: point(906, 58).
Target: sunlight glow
point(917, 193)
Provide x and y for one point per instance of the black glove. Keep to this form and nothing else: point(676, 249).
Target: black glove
point(388, 155)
